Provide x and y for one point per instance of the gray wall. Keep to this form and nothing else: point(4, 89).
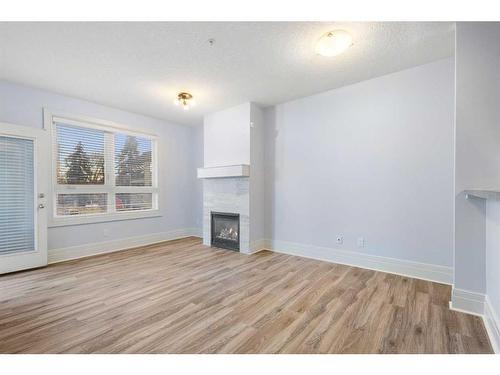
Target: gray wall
point(257, 176)
point(179, 156)
point(372, 160)
point(198, 184)
point(493, 254)
point(477, 235)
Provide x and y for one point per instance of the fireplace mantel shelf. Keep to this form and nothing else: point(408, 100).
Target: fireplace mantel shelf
point(240, 170)
point(492, 194)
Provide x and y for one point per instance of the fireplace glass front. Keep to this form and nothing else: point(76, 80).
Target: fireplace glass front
point(226, 230)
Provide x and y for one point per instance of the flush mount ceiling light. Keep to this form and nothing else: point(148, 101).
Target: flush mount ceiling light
point(185, 100)
point(333, 43)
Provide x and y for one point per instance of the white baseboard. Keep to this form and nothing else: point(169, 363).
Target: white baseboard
point(492, 324)
point(196, 232)
point(467, 301)
point(431, 272)
point(478, 304)
point(257, 246)
point(82, 251)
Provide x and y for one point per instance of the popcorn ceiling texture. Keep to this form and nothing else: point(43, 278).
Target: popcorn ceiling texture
point(141, 67)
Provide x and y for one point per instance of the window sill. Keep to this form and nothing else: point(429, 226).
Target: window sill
point(101, 218)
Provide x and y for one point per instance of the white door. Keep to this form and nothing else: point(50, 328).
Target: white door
point(24, 161)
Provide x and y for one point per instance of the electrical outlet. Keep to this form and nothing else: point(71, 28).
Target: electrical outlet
point(339, 239)
point(361, 242)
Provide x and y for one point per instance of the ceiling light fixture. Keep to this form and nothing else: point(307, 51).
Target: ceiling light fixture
point(185, 100)
point(333, 43)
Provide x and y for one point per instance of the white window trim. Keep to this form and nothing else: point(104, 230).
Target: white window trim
point(93, 123)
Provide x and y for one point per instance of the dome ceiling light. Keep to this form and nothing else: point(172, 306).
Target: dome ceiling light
point(333, 43)
point(185, 100)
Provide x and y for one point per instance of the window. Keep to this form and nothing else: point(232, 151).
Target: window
point(101, 172)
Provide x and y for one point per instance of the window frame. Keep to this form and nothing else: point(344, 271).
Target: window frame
point(110, 129)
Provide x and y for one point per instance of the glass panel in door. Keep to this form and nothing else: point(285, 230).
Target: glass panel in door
point(17, 194)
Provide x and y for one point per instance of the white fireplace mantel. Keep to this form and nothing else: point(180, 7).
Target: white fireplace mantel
point(240, 170)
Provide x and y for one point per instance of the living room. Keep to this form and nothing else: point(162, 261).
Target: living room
point(271, 187)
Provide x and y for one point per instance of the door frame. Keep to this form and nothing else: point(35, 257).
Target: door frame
point(37, 258)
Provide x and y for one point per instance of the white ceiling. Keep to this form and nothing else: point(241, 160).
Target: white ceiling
point(140, 67)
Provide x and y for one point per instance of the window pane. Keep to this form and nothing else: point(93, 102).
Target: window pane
point(80, 155)
point(81, 204)
point(134, 201)
point(132, 161)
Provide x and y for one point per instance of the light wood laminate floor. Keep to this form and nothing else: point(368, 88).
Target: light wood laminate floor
point(183, 297)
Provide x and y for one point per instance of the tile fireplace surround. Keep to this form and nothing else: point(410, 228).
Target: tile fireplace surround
point(227, 195)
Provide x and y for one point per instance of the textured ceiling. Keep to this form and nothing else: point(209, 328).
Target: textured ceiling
point(141, 67)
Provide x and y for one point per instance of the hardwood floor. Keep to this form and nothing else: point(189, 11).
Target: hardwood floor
point(183, 297)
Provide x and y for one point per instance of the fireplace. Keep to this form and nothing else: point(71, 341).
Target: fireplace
point(225, 230)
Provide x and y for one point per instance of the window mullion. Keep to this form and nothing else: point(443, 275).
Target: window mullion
point(80, 189)
point(109, 169)
point(156, 170)
point(135, 189)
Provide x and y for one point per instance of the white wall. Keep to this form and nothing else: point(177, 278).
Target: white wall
point(227, 137)
point(178, 157)
point(257, 176)
point(197, 199)
point(477, 244)
point(371, 160)
point(493, 255)
point(477, 145)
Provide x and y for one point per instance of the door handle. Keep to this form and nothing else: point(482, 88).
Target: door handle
point(41, 205)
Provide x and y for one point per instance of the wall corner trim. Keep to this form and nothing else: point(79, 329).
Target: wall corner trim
point(467, 301)
point(259, 245)
point(492, 324)
point(424, 271)
point(96, 248)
